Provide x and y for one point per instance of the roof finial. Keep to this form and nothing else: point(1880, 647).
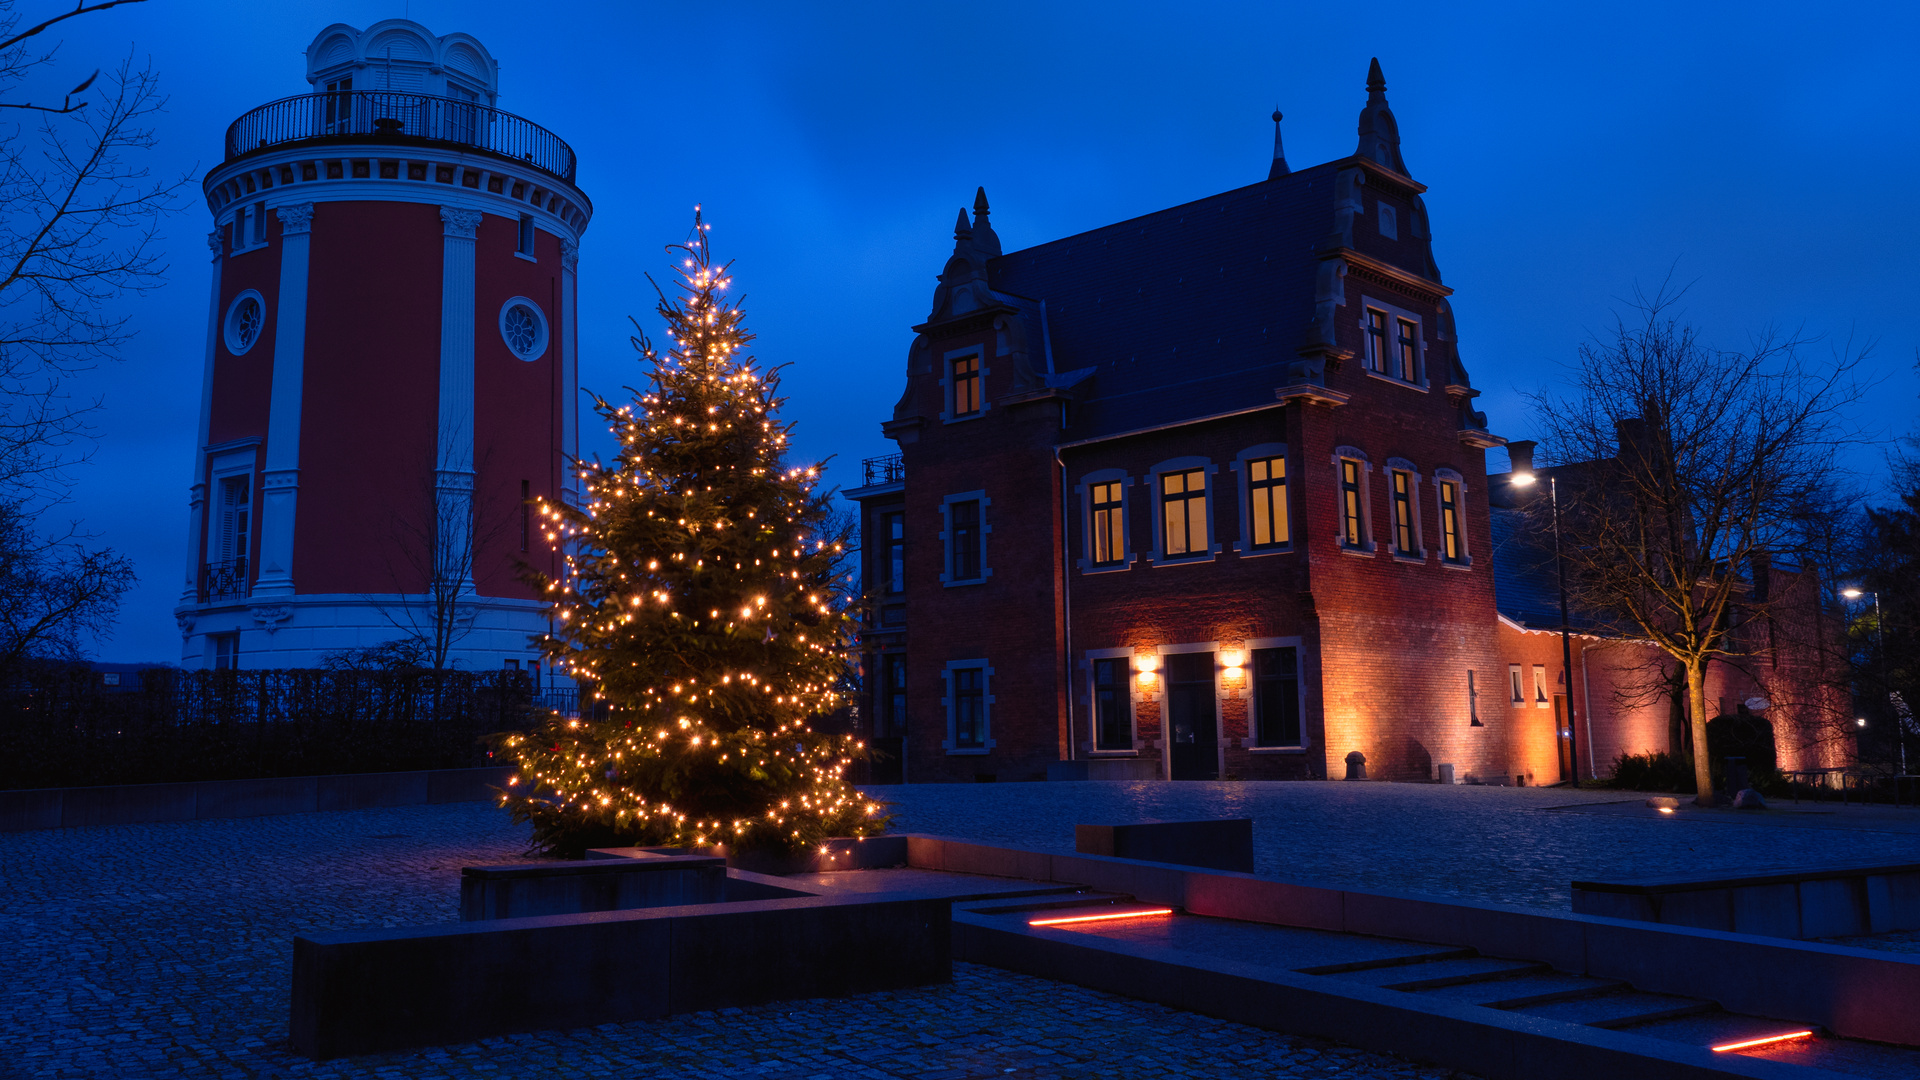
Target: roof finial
point(1279, 167)
point(962, 227)
point(984, 237)
point(1379, 134)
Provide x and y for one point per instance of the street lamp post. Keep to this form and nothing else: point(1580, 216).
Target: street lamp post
point(1521, 455)
point(1880, 646)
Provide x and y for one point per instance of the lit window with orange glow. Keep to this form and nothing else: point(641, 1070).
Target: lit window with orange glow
point(1109, 524)
point(1267, 503)
point(1352, 507)
point(1183, 513)
point(966, 385)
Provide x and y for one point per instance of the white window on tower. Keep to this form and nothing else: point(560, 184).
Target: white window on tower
point(236, 519)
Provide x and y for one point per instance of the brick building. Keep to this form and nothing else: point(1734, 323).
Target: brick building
point(1200, 494)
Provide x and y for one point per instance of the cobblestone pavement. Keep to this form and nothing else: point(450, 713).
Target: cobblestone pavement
point(1521, 846)
point(166, 951)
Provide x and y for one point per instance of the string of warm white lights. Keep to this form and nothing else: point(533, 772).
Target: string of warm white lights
point(704, 601)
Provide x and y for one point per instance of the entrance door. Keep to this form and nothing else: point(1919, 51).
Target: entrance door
point(1191, 718)
point(1561, 736)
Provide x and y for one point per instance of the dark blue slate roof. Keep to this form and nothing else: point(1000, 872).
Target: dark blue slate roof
point(1185, 312)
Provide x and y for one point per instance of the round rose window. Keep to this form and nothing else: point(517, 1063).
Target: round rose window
point(523, 328)
point(245, 319)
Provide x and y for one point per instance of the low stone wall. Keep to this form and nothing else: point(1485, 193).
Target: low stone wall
point(1219, 844)
point(361, 991)
point(569, 888)
point(1857, 993)
point(130, 804)
point(1834, 901)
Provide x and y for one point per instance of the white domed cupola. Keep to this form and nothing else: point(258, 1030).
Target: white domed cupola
point(401, 56)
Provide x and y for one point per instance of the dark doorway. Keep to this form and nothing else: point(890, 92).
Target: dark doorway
point(1191, 717)
point(1562, 736)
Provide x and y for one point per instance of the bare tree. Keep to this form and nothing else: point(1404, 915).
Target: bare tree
point(78, 221)
point(451, 520)
point(1693, 472)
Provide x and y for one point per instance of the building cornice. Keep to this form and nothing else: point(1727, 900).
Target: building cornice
point(419, 174)
point(1368, 268)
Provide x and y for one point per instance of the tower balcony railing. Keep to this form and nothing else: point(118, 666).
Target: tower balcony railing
point(384, 114)
point(224, 581)
point(885, 470)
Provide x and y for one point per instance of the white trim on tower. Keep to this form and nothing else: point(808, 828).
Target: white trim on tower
point(280, 486)
point(453, 466)
point(197, 490)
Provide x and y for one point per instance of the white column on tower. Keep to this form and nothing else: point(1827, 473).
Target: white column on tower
point(280, 486)
point(569, 375)
point(197, 498)
point(453, 465)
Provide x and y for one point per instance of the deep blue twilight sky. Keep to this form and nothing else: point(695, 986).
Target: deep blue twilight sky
point(1766, 151)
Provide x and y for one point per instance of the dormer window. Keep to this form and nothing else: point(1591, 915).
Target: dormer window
point(1393, 346)
point(966, 385)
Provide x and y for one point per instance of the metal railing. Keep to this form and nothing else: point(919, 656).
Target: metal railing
point(385, 114)
point(884, 470)
point(224, 581)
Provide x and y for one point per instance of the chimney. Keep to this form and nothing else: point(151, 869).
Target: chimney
point(1631, 433)
point(1520, 453)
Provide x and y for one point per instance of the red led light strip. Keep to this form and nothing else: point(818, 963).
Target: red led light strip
point(1762, 1041)
point(1099, 918)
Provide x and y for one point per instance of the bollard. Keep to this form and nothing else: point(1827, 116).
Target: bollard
point(1356, 766)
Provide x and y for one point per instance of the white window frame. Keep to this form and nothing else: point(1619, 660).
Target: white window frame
point(1251, 743)
point(1419, 552)
point(1517, 685)
point(540, 325)
point(525, 239)
point(946, 538)
point(249, 227)
point(947, 415)
point(1134, 697)
point(1393, 313)
point(1159, 557)
point(986, 708)
point(223, 466)
point(1448, 476)
point(1084, 492)
point(1541, 698)
point(1244, 546)
point(227, 337)
point(1368, 545)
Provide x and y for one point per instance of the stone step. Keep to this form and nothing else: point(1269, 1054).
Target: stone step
point(1528, 990)
point(1450, 968)
point(1514, 969)
point(1389, 961)
point(1050, 902)
point(1617, 1008)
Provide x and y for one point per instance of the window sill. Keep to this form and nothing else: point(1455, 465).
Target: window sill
point(524, 255)
point(1419, 559)
point(1181, 560)
point(969, 751)
point(1113, 753)
point(1365, 551)
point(1395, 380)
point(1280, 549)
point(1460, 564)
point(947, 419)
point(1276, 749)
point(250, 247)
point(1108, 568)
point(966, 581)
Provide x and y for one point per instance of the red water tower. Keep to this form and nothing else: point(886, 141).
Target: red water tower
point(390, 371)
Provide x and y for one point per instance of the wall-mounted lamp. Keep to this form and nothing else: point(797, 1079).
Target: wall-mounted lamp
point(1146, 661)
point(1860, 720)
point(1234, 672)
point(1233, 658)
point(1146, 680)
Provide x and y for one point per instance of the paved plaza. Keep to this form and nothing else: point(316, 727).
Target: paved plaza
point(165, 950)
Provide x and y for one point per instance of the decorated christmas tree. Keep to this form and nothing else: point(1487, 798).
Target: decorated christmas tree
point(703, 609)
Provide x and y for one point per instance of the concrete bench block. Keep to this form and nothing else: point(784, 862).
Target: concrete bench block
point(256, 798)
point(1150, 883)
point(466, 785)
point(361, 791)
point(1771, 910)
point(363, 991)
point(1708, 909)
point(1232, 896)
point(1224, 844)
point(567, 888)
point(34, 808)
point(1833, 907)
point(127, 804)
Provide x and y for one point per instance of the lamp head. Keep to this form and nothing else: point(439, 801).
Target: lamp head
point(1520, 454)
point(1850, 593)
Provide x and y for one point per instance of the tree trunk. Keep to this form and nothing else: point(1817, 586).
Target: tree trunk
point(1697, 705)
